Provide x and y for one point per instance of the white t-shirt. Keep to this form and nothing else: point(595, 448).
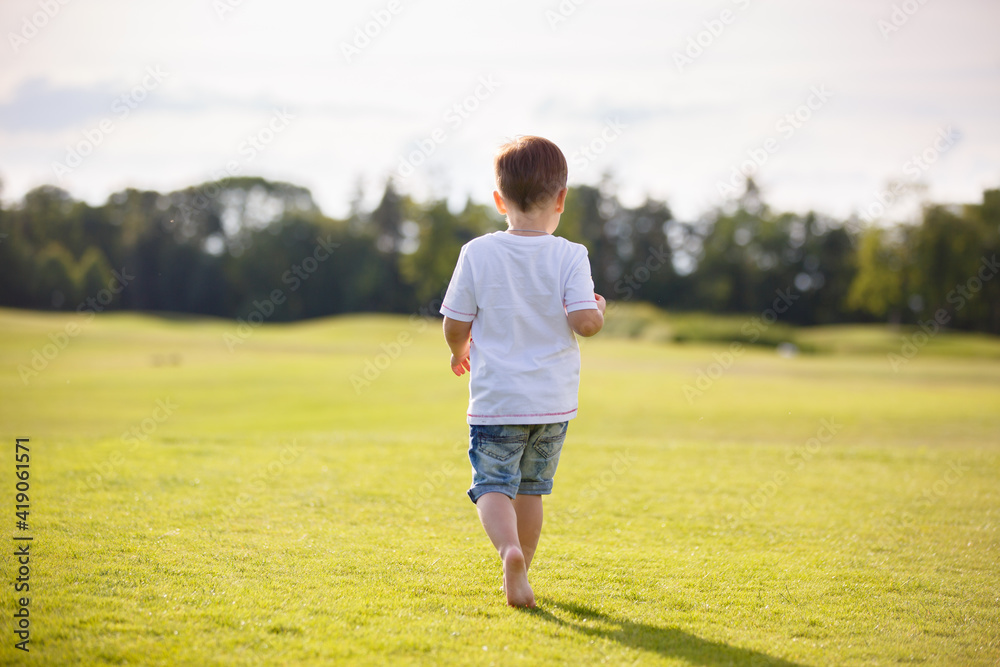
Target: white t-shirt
point(516, 291)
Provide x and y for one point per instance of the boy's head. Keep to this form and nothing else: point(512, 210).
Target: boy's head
point(530, 172)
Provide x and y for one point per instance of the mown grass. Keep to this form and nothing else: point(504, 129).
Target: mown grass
point(647, 322)
point(279, 515)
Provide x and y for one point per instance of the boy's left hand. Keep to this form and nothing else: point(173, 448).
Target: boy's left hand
point(459, 365)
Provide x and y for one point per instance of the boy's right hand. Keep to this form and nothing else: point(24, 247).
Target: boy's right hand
point(458, 335)
point(584, 322)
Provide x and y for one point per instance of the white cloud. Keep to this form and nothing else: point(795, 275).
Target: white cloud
point(354, 121)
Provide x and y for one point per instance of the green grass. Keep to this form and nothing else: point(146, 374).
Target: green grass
point(277, 516)
point(646, 322)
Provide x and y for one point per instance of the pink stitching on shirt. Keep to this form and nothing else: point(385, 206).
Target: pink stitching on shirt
point(536, 414)
point(576, 302)
point(458, 312)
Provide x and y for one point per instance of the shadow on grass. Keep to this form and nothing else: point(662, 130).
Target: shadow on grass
point(668, 642)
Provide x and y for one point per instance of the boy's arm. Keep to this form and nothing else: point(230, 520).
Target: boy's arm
point(590, 321)
point(458, 334)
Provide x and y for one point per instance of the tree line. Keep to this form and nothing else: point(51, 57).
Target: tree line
point(231, 247)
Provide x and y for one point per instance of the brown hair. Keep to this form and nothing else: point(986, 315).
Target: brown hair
point(530, 171)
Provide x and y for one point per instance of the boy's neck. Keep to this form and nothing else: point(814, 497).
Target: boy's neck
point(528, 232)
point(532, 227)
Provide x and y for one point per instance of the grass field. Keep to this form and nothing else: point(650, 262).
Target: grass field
point(192, 504)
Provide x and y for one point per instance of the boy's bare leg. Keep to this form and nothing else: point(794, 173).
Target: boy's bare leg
point(496, 511)
point(529, 524)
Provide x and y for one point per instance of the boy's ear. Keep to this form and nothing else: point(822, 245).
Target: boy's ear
point(499, 203)
point(561, 200)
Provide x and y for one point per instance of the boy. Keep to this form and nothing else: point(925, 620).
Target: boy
point(513, 303)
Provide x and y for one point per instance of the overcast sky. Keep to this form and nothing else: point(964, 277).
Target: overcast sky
point(834, 97)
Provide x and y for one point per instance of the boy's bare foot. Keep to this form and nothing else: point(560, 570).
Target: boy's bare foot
point(515, 580)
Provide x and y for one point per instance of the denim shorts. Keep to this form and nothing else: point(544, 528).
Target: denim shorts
point(514, 458)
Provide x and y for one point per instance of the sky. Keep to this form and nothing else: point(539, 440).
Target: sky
point(823, 102)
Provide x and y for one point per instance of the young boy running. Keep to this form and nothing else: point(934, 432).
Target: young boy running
point(514, 301)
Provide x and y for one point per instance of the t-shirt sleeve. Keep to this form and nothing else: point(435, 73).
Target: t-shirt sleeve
point(460, 300)
point(579, 293)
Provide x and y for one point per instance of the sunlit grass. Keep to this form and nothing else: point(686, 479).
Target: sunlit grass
point(281, 514)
